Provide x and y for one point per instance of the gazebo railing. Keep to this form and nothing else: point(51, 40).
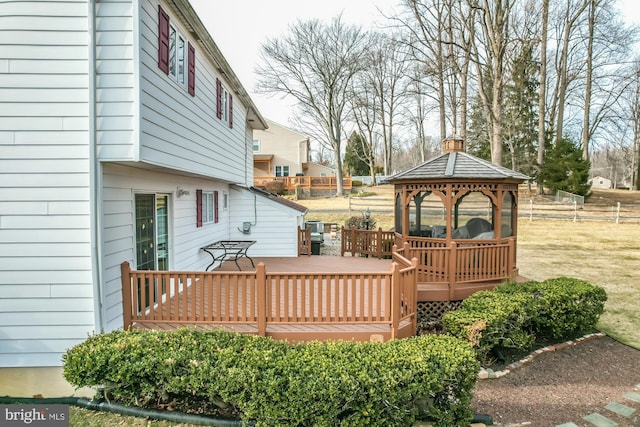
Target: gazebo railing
point(461, 262)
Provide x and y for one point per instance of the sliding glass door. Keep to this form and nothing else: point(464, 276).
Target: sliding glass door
point(152, 232)
point(152, 242)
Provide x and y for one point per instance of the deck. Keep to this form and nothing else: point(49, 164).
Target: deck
point(297, 299)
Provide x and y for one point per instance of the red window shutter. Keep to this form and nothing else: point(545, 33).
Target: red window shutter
point(163, 40)
point(230, 111)
point(218, 98)
point(192, 70)
point(215, 207)
point(198, 208)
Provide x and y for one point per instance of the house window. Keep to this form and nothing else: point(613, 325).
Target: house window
point(282, 170)
point(224, 104)
point(256, 145)
point(225, 200)
point(172, 50)
point(206, 207)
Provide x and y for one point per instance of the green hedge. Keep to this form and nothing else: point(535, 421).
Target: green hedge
point(561, 307)
point(515, 315)
point(489, 320)
point(273, 383)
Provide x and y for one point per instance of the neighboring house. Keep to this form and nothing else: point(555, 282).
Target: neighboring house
point(124, 136)
point(279, 151)
point(600, 182)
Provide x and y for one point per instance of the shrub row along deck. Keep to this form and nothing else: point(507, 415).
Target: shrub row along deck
point(296, 306)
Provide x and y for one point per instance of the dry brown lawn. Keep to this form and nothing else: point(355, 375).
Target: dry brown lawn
point(602, 253)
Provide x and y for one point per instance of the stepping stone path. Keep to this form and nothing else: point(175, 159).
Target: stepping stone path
point(626, 412)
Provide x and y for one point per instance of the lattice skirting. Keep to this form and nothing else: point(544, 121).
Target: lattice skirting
point(434, 310)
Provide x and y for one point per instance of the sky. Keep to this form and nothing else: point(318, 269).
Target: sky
point(240, 27)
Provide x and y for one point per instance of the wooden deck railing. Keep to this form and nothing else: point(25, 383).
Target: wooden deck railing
point(462, 263)
point(375, 243)
point(304, 241)
point(309, 182)
point(255, 301)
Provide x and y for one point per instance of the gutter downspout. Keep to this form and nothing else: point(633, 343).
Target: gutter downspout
point(95, 180)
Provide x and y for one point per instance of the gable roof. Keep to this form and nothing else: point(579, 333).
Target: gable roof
point(199, 32)
point(455, 165)
point(273, 124)
point(281, 200)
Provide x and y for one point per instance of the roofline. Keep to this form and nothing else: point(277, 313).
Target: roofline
point(445, 179)
point(304, 137)
point(199, 32)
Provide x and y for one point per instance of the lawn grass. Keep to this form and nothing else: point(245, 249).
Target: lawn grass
point(603, 253)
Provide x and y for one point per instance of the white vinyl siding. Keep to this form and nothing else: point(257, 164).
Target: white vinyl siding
point(116, 84)
point(180, 131)
point(274, 229)
point(46, 281)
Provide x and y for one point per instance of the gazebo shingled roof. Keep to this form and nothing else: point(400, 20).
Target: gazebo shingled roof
point(458, 165)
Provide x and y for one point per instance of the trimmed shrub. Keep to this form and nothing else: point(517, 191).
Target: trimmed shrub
point(562, 307)
point(272, 383)
point(358, 222)
point(516, 315)
point(276, 187)
point(356, 183)
point(489, 320)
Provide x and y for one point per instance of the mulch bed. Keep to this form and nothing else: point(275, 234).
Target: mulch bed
point(564, 386)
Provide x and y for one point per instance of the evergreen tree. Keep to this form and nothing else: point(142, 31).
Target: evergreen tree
point(355, 157)
point(478, 141)
point(565, 169)
point(520, 113)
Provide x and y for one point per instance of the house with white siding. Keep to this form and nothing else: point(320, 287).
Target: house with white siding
point(124, 136)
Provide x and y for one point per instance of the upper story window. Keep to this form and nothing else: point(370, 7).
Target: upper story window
point(172, 50)
point(177, 53)
point(282, 170)
point(224, 104)
point(256, 145)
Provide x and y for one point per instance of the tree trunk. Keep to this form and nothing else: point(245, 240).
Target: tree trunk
point(587, 95)
point(543, 89)
point(563, 78)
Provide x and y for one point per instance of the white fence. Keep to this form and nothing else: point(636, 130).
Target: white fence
point(565, 209)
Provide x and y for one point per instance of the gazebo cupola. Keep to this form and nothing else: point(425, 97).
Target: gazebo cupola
point(457, 200)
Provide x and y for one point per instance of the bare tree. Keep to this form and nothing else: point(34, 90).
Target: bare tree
point(635, 115)
point(542, 137)
point(315, 63)
point(425, 23)
point(364, 105)
point(385, 71)
point(566, 25)
point(490, 50)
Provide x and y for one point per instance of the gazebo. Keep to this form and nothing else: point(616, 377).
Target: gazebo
point(457, 214)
